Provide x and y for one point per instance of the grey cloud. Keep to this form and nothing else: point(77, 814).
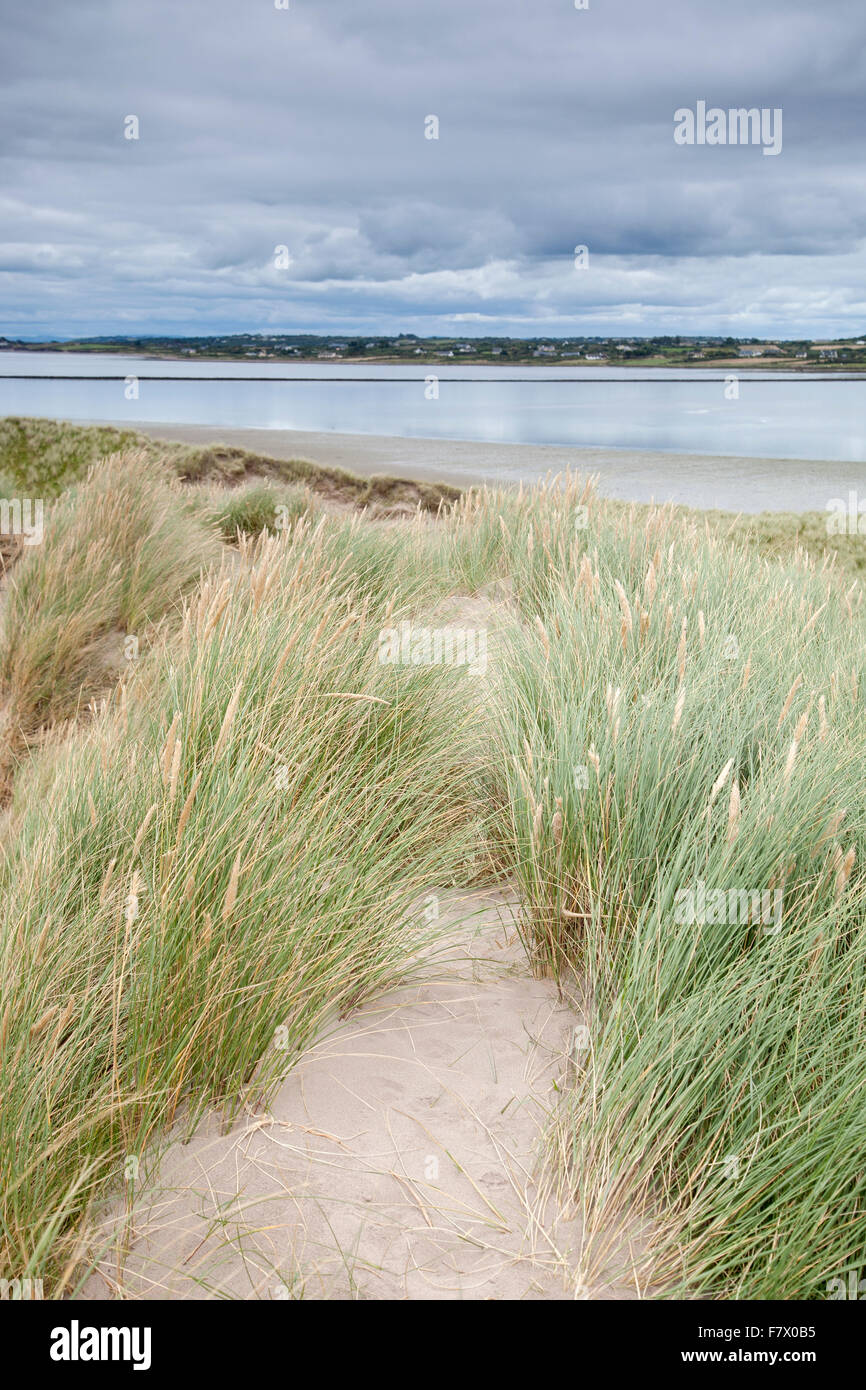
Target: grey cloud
point(262, 127)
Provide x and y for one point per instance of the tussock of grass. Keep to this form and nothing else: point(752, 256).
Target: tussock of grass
point(231, 854)
point(118, 552)
point(677, 712)
point(257, 507)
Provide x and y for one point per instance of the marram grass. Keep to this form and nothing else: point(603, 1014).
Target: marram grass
point(201, 877)
point(682, 722)
point(197, 877)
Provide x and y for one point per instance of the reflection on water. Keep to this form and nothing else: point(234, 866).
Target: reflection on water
point(774, 417)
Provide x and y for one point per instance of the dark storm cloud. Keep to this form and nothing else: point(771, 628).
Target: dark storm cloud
point(262, 127)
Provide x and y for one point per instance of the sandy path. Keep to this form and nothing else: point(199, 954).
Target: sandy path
point(397, 1158)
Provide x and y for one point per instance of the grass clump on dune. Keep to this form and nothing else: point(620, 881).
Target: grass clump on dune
point(118, 553)
point(231, 854)
point(257, 507)
point(682, 729)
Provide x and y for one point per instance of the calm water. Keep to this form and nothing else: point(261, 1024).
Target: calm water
point(774, 417)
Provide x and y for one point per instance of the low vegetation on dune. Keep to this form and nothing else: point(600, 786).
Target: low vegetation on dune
point(43, 457)
point(256, 507)
point(231, 847)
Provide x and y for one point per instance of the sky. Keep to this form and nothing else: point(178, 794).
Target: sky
point(306, 128)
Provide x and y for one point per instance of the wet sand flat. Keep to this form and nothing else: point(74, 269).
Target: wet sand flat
point(695, 480)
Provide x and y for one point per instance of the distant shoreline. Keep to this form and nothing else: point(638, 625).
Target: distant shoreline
point(745, 365)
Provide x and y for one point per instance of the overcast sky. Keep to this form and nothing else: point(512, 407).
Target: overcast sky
point(305, 127)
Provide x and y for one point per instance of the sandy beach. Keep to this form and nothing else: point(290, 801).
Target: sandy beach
point(695, 480)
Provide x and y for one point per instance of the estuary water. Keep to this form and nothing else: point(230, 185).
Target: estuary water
point(687, 415)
